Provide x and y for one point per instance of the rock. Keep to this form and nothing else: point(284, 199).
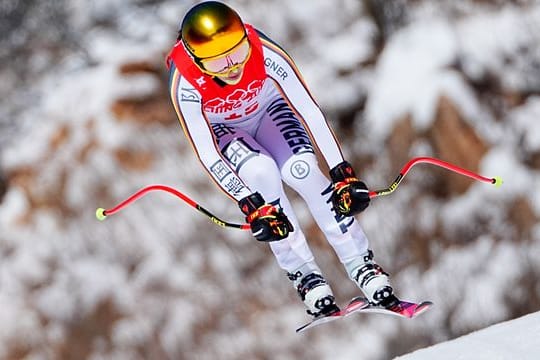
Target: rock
point(454, 140)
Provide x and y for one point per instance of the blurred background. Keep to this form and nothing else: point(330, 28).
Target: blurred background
point(85, 121)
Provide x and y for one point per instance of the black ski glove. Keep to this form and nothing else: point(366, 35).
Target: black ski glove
point(350, 195)
point(267, 222)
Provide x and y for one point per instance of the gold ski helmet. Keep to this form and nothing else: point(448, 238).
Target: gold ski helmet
point(211, 29)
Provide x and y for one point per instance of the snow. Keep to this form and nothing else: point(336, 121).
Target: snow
point(410, 76)
point(510, 31)
point(168, 270)
point(516, 339)
point(526, 117)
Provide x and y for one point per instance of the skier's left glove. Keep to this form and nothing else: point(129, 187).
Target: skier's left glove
point(267, 222)
point(350, 195)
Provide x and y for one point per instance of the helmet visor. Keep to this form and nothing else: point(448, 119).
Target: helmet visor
point(231, 60)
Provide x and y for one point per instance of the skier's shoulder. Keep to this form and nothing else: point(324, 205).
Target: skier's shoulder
point(278, 63)
point(269, 45)
point(177, 77)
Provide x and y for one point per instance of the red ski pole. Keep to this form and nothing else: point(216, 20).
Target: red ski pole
point(497, 181)
point(102, 214)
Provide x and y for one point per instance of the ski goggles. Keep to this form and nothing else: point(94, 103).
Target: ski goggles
point(233, 59)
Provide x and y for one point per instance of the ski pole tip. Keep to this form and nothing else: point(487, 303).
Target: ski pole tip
point(100, 214)
point(497, 181)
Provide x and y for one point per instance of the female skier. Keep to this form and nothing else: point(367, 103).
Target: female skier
point(253, 123)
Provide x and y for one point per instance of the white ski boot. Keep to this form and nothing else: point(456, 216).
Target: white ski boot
point(314, 291)
point(372, 280)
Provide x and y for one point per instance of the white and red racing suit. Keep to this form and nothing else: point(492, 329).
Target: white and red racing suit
point(252, 135)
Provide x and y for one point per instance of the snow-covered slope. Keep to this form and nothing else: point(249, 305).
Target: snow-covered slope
point(510, 340)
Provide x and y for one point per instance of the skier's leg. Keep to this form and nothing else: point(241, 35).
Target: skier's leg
point(302, 173)
point(282, 133)
point(284, 136)
point(259, 171)
point(344, 234)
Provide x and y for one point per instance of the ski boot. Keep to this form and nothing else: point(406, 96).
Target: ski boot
point(372, 280)
point(314, 291)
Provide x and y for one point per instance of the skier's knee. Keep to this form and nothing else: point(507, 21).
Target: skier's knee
point(298, 168)
point(260, 172)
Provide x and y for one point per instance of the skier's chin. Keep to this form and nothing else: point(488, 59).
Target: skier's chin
point(233, 78)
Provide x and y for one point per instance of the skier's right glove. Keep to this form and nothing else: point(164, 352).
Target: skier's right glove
point(267, 222)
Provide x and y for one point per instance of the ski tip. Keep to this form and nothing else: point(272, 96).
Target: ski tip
point(424, 305)
point(497, 181)
point(421, 308)
point(100, 214)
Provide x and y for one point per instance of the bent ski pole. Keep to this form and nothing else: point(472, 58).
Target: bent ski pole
point(101, 214)
point(497, 181)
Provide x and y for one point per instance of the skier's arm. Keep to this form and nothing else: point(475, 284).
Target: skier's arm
point(350, 195)
point(187, 104)
point(281, 68)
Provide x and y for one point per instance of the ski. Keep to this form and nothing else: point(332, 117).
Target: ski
point(353, 305)
point(403, 309)
point(319, 321)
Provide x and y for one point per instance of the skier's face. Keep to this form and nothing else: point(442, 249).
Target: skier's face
point(228, 67)
point(234, 76)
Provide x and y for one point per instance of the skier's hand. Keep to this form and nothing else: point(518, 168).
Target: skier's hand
point(350, 195)
point(267, 222)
